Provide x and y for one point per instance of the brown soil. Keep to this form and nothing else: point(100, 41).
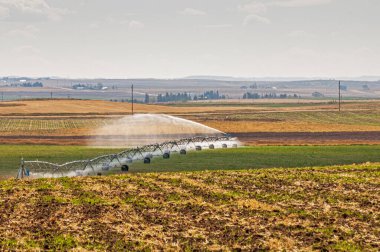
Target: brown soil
point(243, 126)
point(309, 209)
point(296, 138)
point(11, 104)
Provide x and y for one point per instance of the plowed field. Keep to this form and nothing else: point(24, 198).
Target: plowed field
point(332, 208)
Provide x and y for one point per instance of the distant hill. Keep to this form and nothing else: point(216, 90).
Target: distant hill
point(230, 78)
point(279, 79)
point(209, 78)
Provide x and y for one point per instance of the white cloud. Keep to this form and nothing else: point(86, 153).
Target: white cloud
point(218, 26)
point(301, 34)
point(116, 21)
point(192, 12)
point(298, 3)
point(18, 8)
point(257, 8)
point(255, 11)
point(261, 6)
point(292, 23)
point(134, 24)
point(26, 50)
point(95, 25)
point(253, 18)
point(4, 12)
point(254, 7)
point(28, 31)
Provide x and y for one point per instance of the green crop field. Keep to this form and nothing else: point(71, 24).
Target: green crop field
point(219, 159)
point(324, 209)
point(10, 155)
point(263, 157)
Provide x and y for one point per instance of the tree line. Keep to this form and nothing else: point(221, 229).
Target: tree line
point(27, 84)
point(183, 97)
point(249, 95)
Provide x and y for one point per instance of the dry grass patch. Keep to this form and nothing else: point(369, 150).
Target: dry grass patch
point(331, 208)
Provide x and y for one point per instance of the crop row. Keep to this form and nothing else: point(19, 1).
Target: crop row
point(11, 125)
point(351, 118)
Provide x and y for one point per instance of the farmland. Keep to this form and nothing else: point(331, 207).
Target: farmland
point(330, 208)
point(10, 155)
point(233, 88)
point(246, 125)
point(219, 159)
point(72, 122)
point(323, 195)
point(234, 122)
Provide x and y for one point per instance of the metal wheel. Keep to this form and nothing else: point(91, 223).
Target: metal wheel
point(147, 160)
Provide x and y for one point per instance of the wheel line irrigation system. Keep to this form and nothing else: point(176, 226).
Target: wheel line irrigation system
point(37, 169)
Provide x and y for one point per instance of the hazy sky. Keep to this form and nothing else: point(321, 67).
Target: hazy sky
point(176, 38)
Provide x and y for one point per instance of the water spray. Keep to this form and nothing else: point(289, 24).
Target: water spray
point(135, 133)
point(144, 129)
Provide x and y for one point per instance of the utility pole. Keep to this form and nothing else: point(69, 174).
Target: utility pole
point(2, 96)
point(132, 98)
point(339, 96)
point(51, 95)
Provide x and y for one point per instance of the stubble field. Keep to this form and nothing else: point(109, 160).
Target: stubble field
point(331, 208)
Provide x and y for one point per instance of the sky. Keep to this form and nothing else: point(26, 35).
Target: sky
point(178, 38)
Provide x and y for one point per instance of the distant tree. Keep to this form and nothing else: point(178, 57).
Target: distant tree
point(170, 97)
point(37, 84)
point(210, 95)
point(99, 86)
point(317, 94)
point(253, 86)
point(146, 99)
